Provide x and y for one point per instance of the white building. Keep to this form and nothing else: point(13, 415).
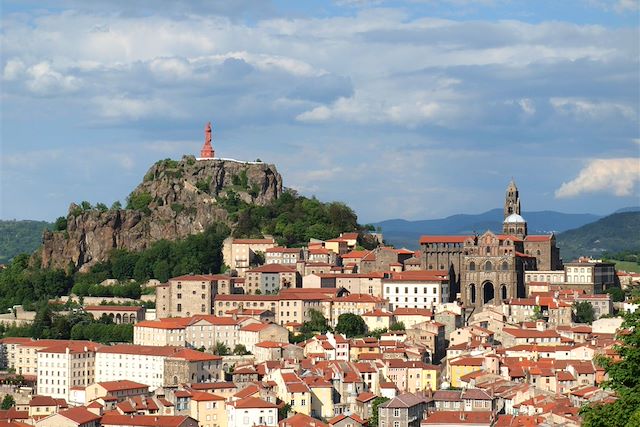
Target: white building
point(63, 367)
point(192, 332)
point(416, 289)
point(251, 411)
point(155, 366)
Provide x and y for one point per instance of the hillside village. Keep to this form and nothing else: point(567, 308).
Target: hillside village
point(480, 330)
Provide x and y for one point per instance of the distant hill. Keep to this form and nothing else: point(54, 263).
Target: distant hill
point(18, 237)
point(403, 233)
point(614, 233)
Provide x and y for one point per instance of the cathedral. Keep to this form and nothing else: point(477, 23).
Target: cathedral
point(489, 268)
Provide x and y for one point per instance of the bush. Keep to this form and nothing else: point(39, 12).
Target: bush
point(139, 201)
point(60, 224)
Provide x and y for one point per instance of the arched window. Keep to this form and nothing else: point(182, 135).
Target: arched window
point(488, 250)
point(472, 293)
point(505, 266)
point(472, 266)
point(503, 292)
point(488, 266)
point(538, 252)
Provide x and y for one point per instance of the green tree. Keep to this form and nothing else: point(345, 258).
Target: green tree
point(240, 350)
point(116, 205)
point(101, 207)
point(373, 420)
point(284, 411)
point(351, 325)
point(583, 312)
point(397, 326)
point(317, 323)
point(8, 402)
point(617, 294)
point(220, 349)
point(537, 313)
point(377, 333)
point(60, 224)
point(623, 378)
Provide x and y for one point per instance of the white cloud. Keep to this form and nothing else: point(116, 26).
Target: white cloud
point(124, 107)
point(586, 109)
point(618, 176)
point(13, 69)
point(44, 80)
point(528, 106)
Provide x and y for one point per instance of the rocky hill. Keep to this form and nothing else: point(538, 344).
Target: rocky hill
point(176, 199)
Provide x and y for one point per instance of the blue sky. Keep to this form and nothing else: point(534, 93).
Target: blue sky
point(414, 110)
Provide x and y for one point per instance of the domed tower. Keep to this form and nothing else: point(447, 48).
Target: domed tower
point(513, 223)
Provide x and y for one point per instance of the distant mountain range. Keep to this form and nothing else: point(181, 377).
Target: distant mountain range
point(403, 233)
point(614, 233)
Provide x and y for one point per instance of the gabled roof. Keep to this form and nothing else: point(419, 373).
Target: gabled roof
point(301, 420)
point(111, 386)
point(251, 402)
point(79, 415)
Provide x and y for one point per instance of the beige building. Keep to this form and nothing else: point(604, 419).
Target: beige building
point(208, 409)
point(74, 417)
point(284, 256)
point(120, 389)
point(370, 283)
point(252, 334)
point(270, 278)
point(241, 254)
point(186, 296)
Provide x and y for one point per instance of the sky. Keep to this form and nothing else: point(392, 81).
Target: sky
point(417, 109)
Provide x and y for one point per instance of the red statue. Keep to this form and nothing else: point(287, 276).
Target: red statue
point(207, 150)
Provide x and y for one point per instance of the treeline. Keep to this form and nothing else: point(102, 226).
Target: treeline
point(131, 290)
point(292, 219)
point(78, 325)
point(17, 237)
point(21, 284)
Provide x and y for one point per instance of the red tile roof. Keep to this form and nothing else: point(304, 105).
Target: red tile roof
point(252, 402)
point(111, 386)
point(443, 239)
point(80, 415)
point(301, 420)
point(459, 418)
point(117, 420)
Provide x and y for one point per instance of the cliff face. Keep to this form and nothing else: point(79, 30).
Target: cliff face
point(175, 199)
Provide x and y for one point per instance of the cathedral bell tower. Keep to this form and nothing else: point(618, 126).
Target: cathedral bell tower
point(513, 224)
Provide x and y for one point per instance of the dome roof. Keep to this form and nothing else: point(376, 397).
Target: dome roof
point(514, 218)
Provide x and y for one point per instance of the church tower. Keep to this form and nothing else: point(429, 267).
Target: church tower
point(512, 200)
point(207, 149)
point(513, 224)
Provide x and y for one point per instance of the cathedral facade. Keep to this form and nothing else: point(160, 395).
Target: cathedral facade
point(489, 268)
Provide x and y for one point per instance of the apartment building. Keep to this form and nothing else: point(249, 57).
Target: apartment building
point(192, 332)
point(284, 256)
point(20, 354)
point(370, 283)
point(356, 304)
point(241, 254)
point(270, 278)
point(189, 295)
point(65, 366)
point(417, 289)
point(156, 366)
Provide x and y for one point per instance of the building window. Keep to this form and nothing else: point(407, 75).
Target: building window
point(179, 308)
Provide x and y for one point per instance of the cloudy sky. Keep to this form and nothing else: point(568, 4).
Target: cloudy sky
point(415, 110)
